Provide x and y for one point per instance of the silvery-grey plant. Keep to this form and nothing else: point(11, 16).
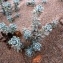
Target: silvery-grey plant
point(16, 3)
point(29, 52)
point(3, 11)
point(2, 25)
point(36, 46)
point(54, 23)
point(8, 10)
point(36, 34)
point(7, 7)
point(4, 28)
point(8, 29)
point(15, 43)
point(47, 29)
point(12, 28)
point(9, 18)
point(38, 9)
point(30, 2)
point(44, 1)
point(26, 33)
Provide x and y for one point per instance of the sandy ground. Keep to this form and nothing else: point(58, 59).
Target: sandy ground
point(52, 51)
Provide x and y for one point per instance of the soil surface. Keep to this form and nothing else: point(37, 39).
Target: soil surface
point(52, 51)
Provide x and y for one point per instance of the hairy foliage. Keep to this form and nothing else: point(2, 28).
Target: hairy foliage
point(3, 27)
point(9, 18)
point(29, 52)
point(8, 29)
point(44, 1)
point(26, 33)
point(30, 2)
point(37, 46)
point(16, 3)
point(12, 28)
point(15, 43)
point(38, 9)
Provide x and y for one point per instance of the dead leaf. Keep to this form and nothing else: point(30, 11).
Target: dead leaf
point(37, 59)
